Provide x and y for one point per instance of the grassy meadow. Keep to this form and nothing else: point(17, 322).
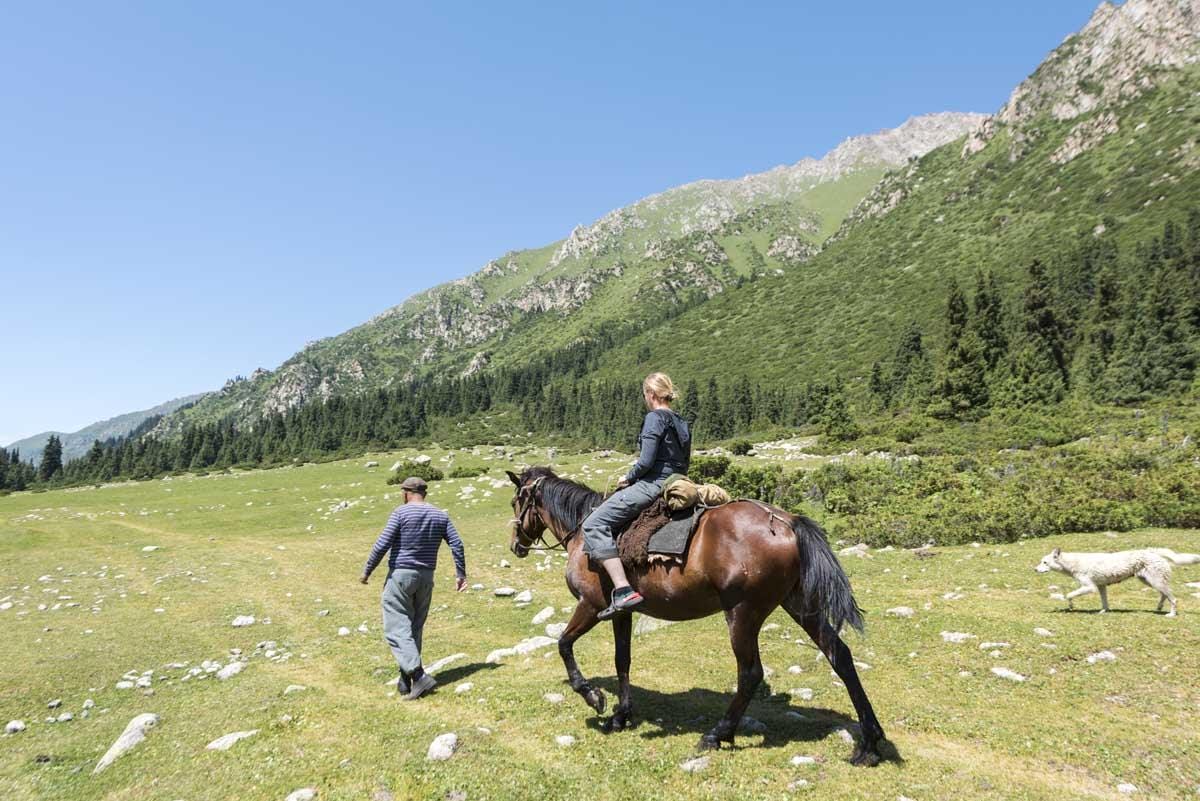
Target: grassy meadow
point(84, 605)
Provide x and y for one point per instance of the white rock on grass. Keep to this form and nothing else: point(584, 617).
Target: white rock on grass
point(504, 592)
point(553, 698)
point(442, 747)
point(544, 615)
point(645, 625)
point(134, 733)
point(446, 660)
point(14, 726)
point(991, 646)
point(1005, 673)
point(565, 740)
point(1125, 788)
point(150, 548)
point(901, 611)
point(803, 693)
point(343, 631)
point(1041, 632)
point(695, 764)
point(524, 596)
point(956, 636)
point(803, 760)
point(230, 670)
point(795, 670)
point(226, 741)
point(525, 646)
point(1102, 656)
point(465, 687)
point(243, 620)
point(294, 688)
point(303, 794)
point(555, 630)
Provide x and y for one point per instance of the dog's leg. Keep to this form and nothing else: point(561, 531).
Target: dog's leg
point(1159, 583)
point(1103, 598)
point(1084, 589)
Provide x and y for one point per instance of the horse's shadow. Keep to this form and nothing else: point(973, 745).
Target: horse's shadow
point(451, 675)
point(695, 711)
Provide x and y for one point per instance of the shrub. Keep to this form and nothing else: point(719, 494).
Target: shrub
point(741, 447)
point(708, 468)
point(424, 471)
point(465, 472)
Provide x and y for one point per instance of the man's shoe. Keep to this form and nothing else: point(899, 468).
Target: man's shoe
point(622, 603)
point(402, 686)
point(420, 686)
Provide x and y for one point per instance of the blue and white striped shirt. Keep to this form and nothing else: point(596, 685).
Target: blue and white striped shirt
point(413, 533)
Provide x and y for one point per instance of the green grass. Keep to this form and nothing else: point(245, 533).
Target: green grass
point(239, 543)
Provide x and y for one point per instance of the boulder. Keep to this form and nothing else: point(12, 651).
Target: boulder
point(226, 741)
point(134, 733)
point(442, 747)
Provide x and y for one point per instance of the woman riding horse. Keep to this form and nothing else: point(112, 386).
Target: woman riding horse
point(666, 447)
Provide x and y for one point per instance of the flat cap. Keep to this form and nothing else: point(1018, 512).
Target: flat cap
point(414, 484)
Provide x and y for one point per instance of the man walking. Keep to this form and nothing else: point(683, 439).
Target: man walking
point(412, 534)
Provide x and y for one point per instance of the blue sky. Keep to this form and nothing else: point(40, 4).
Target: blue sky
point(192, 190)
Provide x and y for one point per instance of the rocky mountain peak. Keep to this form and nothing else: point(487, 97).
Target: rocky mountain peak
point(1116, 56)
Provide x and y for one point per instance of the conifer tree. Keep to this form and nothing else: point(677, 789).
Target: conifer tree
point(962, 382)
point(1034, 372)
point(989, 319)
point(51, 464)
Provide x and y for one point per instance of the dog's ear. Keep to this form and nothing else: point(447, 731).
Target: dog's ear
point(1057, 552)
point(513, 477)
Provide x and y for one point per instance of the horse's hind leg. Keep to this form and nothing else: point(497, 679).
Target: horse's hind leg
point(623, 634)
point(838, 654)
point(581, 622)
point(745, 621)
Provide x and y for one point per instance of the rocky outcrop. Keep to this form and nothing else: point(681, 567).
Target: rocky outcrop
point(791, 249)
point(1085, 136)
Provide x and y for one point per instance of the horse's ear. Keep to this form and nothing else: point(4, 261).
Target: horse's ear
point(513, 477)
point(1057, 552)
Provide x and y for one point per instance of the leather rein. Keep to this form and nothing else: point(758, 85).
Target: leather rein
point(527, 502)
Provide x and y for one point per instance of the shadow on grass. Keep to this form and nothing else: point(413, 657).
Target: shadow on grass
point(661, 714)
point(452, 674)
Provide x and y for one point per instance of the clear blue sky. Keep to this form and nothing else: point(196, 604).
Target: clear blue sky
point(191, 190)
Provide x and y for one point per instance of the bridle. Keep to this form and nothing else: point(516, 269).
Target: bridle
point(527, 495)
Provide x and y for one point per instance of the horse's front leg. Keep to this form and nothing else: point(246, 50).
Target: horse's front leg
point(745, 621)
point(623, 634)
point(581, 622)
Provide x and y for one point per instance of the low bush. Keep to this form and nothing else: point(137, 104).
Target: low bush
point(465, 472)
point(423, 471)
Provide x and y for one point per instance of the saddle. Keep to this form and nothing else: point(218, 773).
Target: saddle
point(658, 535)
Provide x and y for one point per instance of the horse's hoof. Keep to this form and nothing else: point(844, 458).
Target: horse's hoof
point(595, 699)
point(708, 743)
point(865, 757)
point(617, 723)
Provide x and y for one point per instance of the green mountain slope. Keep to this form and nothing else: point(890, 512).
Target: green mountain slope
point(76, 443)
point(1100, 142)
point(622, 273)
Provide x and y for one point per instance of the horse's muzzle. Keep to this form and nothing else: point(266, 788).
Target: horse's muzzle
point(519, 550)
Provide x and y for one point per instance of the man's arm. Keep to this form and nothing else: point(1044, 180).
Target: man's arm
point(460, 558)
point(386, 537)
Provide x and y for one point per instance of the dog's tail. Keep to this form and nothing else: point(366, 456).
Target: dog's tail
point(1177, 558)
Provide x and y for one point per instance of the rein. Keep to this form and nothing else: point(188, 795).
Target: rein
point(517, 522)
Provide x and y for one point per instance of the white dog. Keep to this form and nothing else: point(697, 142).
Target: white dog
point(1095, 571)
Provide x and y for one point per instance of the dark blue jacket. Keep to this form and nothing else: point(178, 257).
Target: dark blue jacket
point(665, 447)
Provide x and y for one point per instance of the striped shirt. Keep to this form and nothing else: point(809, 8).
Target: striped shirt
point(412, 534)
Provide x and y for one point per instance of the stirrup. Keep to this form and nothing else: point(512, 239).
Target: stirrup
point(626, 603)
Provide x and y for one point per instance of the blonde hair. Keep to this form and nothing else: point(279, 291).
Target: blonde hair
point(660, 386)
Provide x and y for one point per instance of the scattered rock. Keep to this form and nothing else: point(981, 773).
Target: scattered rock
point(990, 646)
point(303, 794)
point(695, 764)
point(442, 747)
point(371, 464)
point(55, 704)
point(505, 563)
point(544, 615)
point(1041, 632)
point(751, 725)
point(343, 631)
point(65, 717)
point(134, 733)
point(524, 596)
point(1125, 788)
point(150, 548)
point(124, 685)
point(464, 687)
point(900, 611)
point(555, 630)
point(645, 625)
point(803, 760)
point(294, 688)
point(554, 698)
point(422, 459)
point(14, 726)
point(565, 740)
point(795, 670)
point(230, 670)
point(504, 592)
point(441, 663)
point(956, 636)
point(525, 646)
point(225, 742)
point(1102, 656)
point(803, 693)
point(1005, 673)
point(243, 620)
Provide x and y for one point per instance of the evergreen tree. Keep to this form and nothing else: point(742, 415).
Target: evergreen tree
point(742, 404)
point(911, 379)
point(51, 464)
point(962, 383)
point(837, 422)
point(1035, 372)
point(689, 408)
point(989, 319)
point(1099, 335)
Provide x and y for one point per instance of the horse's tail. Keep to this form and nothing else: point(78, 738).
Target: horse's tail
point(824, 589)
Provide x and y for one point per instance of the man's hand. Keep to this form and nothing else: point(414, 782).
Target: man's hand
point(622, 484)
point(460, 583)
point(362, 580)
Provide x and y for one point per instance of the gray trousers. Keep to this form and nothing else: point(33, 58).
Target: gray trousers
point(405, 600)
point(622, 507)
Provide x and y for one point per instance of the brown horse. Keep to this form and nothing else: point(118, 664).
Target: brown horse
point(745, 559)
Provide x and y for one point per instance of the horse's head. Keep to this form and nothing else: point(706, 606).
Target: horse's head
point(526, 526)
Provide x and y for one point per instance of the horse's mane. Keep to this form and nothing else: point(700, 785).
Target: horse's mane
point(568, 502)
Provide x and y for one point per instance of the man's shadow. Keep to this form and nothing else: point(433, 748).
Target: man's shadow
point(451, 675)
point(661, 714)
